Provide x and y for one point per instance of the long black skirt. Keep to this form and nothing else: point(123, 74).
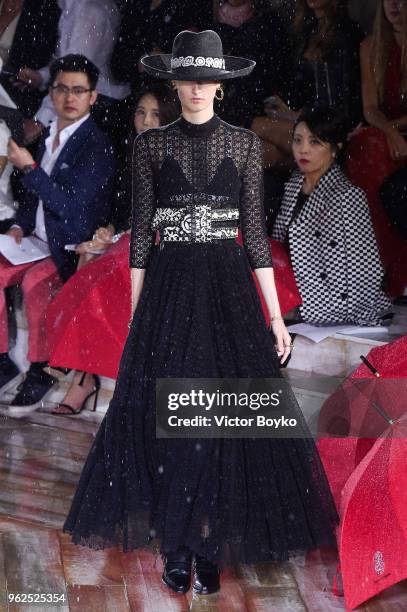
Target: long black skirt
point(231, 500)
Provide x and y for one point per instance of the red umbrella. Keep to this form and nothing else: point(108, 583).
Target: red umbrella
point(390, 361)
point(360, 409)
point(373, 529)
point(288, 295)
point(366, 470)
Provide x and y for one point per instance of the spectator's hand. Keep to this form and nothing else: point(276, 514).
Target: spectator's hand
point(104, 234)
point(276, 103)
point(397, 144)
point(91, 247)
point(16, 233)
point(32, 129)
point(356, 130)
point(28, 78)
point(277, 110)
point(19, 156)
point(282, 339)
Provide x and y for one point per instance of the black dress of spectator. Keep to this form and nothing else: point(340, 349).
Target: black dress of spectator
point(262, 38)
point(145, 30)
point(326, 70)
point(34, 43)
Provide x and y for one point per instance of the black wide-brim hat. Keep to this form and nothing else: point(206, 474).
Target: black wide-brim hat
point(197, 56)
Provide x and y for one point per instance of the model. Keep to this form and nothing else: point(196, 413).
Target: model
point(197, 314)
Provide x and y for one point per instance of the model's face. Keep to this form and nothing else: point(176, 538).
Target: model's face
point(71, 96)
point(311, 154)
point(393, 10)
point(147, 114)
point(196, 96)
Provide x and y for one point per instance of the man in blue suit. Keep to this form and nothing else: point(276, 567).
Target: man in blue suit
point(67, 193)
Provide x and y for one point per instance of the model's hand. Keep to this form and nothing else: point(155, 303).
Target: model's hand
point(282, 339)
point(397, 144)
point(19, 156)
point(16, 233)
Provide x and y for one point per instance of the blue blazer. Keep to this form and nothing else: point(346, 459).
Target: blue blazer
point(76, 197)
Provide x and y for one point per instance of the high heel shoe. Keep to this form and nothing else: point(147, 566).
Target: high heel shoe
point(95, 392)
point(177, 570)
point(206, 576)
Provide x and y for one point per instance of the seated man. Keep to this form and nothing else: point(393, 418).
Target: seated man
point(66, 196)
point(85, 26)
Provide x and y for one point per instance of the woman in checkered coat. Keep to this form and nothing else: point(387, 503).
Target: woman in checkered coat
point(325, 223)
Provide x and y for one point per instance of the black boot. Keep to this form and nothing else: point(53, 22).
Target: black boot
point(177, 570)
point(206, 576)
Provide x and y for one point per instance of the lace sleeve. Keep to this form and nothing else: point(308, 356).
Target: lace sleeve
point(253, 221)
point(143, 202)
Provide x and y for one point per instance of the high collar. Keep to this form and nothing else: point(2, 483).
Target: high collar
point(199, 129)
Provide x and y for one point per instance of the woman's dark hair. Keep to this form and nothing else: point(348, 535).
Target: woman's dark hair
point(75, 63)
point(319, 34)
point(168, 101)
point(327, 124)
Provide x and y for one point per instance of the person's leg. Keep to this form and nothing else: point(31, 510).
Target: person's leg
point(9, 276)
point(39, 285)
point(278, 133)
point(83, 386)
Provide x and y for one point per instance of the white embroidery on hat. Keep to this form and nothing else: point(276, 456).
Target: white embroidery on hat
point(197, 62)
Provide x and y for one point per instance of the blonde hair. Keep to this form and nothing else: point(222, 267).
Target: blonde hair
point(382, 40)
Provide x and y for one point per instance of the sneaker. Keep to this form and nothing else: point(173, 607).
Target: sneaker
point(31, 392)
point(10, 375)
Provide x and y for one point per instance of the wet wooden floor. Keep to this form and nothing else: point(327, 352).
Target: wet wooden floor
point(40, 461)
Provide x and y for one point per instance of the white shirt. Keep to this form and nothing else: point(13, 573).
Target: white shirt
point(7, 205)
point(88, 27)
point(47, 164)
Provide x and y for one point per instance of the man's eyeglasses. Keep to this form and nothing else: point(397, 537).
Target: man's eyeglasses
point(76, 90)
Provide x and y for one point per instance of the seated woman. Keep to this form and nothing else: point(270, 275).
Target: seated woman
point(324, 221)
point(251, 27)
point(324, 72)
point(88, 321)
point(376, 152)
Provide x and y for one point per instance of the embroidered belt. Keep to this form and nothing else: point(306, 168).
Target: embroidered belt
point(198, 223)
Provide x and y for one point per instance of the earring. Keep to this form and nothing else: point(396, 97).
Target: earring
point(221, 95)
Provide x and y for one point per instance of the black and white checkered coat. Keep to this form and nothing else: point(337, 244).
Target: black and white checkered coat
point(333, 251)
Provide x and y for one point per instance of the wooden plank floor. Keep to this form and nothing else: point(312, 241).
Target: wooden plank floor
point(40, 461)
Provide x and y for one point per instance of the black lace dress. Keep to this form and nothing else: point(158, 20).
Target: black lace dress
point(199, 315)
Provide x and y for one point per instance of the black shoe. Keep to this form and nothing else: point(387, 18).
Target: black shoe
point(30, 393)
point(206, 576)
point(94, 393)
point(177, 570)
point(10, 375)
